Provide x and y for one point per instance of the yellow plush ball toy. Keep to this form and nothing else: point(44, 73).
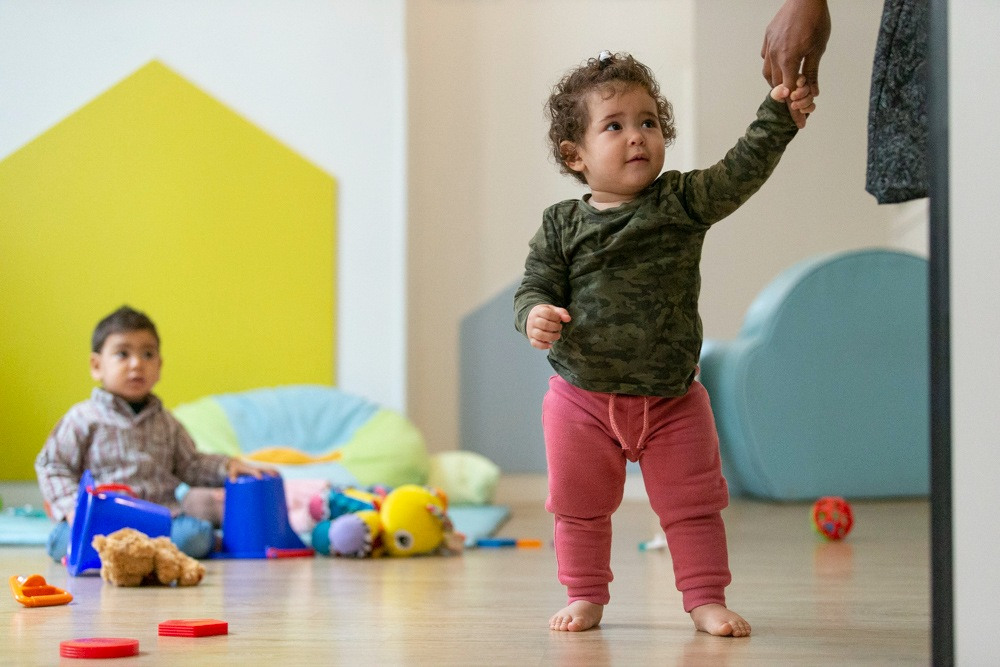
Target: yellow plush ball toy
point(414, 520)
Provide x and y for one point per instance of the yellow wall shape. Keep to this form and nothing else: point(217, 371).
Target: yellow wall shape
point(156, 195)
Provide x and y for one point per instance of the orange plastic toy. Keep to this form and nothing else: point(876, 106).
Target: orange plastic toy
point(33, 591)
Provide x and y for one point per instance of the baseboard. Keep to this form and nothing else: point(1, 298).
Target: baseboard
point(520, 488)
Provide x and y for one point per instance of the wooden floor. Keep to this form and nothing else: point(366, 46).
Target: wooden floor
point(864, 601)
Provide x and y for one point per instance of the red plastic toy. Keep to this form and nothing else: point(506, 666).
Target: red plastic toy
point(832, 517)
point(99, 647)
point(193, 627)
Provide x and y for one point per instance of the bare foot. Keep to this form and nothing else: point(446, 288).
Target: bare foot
point(577, 616)
point(717, 620)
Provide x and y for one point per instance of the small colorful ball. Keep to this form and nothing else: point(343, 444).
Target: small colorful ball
point(832, 517)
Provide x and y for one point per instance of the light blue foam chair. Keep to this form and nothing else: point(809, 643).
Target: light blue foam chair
point(825, 390)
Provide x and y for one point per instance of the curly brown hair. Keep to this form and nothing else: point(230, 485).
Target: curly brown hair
point(610, 73)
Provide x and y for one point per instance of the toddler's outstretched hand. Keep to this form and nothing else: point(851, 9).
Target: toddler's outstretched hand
point(801, 99)
point(544, 325)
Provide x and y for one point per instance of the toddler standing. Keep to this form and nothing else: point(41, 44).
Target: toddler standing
point(610, 289)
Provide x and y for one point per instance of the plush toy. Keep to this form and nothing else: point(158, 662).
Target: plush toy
point(131, 558)
point(345, 500)
point(407, 521)
point(356, 535)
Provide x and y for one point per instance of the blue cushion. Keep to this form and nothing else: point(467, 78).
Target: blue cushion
point(825, 390)
point(311, 418)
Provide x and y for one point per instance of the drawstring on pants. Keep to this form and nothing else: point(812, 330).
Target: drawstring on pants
point(631, 453)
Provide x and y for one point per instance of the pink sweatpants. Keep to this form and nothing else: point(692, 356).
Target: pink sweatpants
point(588, 437)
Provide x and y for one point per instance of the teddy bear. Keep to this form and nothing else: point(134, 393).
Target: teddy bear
point(131, 558)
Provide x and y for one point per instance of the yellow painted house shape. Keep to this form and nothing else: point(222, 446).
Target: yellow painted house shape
point(156, 195)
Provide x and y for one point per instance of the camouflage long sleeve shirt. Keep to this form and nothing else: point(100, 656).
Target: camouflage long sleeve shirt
point(629, 275)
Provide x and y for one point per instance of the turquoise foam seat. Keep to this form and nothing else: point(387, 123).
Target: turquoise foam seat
point(825, 391)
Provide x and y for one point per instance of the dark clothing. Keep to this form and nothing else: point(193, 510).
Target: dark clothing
point(897, 112)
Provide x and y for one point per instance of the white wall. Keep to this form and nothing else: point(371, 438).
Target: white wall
point(974, 89)
point(326, 77)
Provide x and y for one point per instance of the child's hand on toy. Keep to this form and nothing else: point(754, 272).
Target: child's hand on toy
point(544, 325)
point(801, 99)
point(239, 467)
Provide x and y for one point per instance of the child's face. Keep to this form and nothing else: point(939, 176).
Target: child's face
point(128, 364)
point(622, 148)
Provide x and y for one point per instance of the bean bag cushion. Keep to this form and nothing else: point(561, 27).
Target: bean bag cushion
point(310, 432)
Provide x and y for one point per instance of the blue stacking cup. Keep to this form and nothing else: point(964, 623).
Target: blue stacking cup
point(104, 512)
point(256, 518)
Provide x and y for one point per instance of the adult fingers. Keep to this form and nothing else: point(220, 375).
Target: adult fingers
point(790, 72)
point(810, 68)
point(766, 69)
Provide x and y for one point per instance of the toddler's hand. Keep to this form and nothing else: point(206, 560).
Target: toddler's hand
point(239, 467)
point(801, 101)
point(545, 322)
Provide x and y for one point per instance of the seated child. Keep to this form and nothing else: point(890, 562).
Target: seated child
point(124, 435)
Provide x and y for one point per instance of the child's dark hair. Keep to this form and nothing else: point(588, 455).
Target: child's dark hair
point(610, 74)
point(123, 319)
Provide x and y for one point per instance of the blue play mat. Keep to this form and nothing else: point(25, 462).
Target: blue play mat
point(24, 526)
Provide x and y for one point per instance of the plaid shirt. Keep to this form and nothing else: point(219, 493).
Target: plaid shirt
point(150, 451)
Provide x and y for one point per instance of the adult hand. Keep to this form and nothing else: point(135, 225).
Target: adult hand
point(794, 42)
